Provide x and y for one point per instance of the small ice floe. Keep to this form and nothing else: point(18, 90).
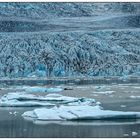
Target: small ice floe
point(134, 133)
point(98, 103)
point(83, 87)
point(82, 101)
point(39, 89)
point(81, 112)
point(42, 89)
point(136, 87)
point(21, 99)
point(14, 113)
point(104, 92)
point(24, 99)
point(126, 135)
point(134, 97)
point(123, 106)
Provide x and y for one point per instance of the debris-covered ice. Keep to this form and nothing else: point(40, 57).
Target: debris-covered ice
point(81, 112)
point(26, 99)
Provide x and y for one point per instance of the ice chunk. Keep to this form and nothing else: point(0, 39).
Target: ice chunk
point(54, 90)
point(123, 105)
point(19, 96)
point(35, 89)
point(16, 103)
point(24, 99)
point(104, 92)
point(79, 112)
point(42, 89)
point(134, 97)
point(134, 133)
point(126, 135)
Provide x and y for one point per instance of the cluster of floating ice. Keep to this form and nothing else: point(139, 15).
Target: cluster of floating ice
point(58, 107)
point(24, 99)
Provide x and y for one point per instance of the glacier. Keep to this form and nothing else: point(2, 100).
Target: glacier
point(98, 53)
point(69, 39)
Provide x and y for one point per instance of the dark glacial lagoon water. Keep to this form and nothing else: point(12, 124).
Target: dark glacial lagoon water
point(13, 125)
point(75, 81)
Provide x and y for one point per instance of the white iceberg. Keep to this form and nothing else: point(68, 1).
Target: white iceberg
point(42, 89)
point(24, 99)
point(15, 103)
point(81, 112)
point(39, 89)
point(20, 99)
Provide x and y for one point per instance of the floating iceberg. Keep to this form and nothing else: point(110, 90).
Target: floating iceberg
point(24, 99)
point(40, 89)
point(81, 112)
point(19, 99)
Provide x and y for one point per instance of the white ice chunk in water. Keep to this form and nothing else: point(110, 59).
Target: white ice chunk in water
point(40, 89)
point(26, 99)
point(104, 92)
point(54, 90)
point(134, 133)
point(16, 103)
point(134, 97)
point(123, 105)
point(79, 112)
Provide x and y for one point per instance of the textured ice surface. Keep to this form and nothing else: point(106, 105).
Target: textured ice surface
point(78, 113)
point(90, 39)
point(26, 99)
point(53, 10)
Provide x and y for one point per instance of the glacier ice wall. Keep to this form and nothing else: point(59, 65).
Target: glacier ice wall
point(69, 39)
point(70, 53)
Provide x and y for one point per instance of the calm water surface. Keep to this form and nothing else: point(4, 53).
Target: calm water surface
point(13, 125)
